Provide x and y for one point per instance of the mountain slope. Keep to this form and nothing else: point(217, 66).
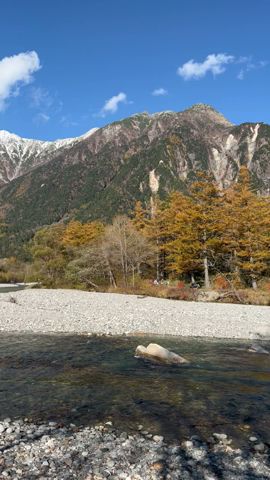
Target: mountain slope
point(104, 173)
point(20, 155)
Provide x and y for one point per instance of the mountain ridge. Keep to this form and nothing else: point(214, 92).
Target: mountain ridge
point(132, 159)
point(12, 145)
point(22, 154)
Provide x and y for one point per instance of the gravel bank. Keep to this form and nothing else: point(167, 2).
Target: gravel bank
point(51, 451)
point(71, 311)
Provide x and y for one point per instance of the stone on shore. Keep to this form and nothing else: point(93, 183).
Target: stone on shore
point(55, 451)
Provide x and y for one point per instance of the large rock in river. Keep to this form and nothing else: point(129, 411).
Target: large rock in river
point(156, 353)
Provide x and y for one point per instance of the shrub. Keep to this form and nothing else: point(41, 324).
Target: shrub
point(237, 281)
point(187, 294)
point(9, 277)
point(255, 297)
point(266, 286)
point(221, 283)
point(180, 284)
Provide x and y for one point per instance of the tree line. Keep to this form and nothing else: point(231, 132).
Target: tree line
point(190, 237)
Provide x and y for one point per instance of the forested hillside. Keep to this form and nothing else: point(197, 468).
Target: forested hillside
point(136, 159)
point(209, 238)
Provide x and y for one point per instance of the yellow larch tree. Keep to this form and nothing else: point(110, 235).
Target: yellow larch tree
point(78, 234)
point(246, 229)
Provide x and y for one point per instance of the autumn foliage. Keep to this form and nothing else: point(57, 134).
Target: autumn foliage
point(212, 232)
point(209, 238)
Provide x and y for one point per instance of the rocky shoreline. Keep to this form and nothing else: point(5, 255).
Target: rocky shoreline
point(74, 311)
point(54, 451)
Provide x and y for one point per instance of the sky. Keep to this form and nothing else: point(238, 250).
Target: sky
point(68, 66)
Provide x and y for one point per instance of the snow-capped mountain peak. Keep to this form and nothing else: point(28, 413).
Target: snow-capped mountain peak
point(19, 155)
point(6, 136)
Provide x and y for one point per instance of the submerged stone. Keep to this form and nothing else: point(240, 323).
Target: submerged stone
point(260, 447)
point(221, 437)
point(254, 348)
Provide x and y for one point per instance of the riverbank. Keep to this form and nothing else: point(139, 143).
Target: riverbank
point(73, 311)
point(54, 451)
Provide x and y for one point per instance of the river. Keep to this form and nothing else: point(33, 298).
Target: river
point(85, 380)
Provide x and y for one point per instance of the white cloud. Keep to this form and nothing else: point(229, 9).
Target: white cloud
point(16, 71)
point(67, 121)
point(214, 63)
point(250, 65)
point(40, 97)
point(158, 92)
point(243, 59)
point(241, 74)
point(41, 118)
point(111, 105)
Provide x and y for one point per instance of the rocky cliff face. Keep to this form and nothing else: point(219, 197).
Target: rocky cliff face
point(105, 172)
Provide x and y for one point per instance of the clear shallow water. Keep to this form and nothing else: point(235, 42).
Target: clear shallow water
point(85, 380)
point(11, 288)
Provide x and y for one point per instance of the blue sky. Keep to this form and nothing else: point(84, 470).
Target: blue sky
point(68, 66)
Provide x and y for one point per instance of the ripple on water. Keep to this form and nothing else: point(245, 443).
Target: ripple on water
point(90, 379)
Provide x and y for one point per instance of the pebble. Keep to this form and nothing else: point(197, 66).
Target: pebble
point(220, 436)
point(187, 444)
point(99, 453)
point(86, 312)
point(259, 447)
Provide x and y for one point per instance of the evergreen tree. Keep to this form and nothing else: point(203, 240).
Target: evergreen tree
point(49, 255)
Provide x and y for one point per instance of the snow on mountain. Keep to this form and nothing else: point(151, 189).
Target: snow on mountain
point(19, 155)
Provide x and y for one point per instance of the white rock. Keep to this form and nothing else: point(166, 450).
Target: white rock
point(220, 436)
point(188, 444)
point(156, 352)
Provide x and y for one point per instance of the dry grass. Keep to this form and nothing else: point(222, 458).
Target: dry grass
point(146, 288)
point(255, 297)
point(247, 296)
